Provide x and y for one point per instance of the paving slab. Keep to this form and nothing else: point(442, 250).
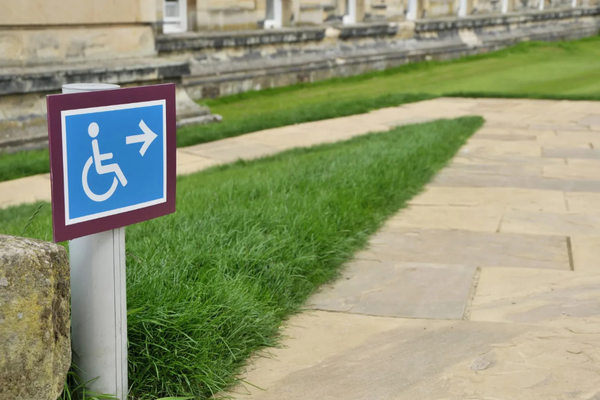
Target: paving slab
point(229, 150)
point(505, 137)
point(502, 197)
point(26, 190)
point(582, 139)
point(318, 331)
point(559, 127)
point(534, 296)
point(188, 163)
point(586, 253)
point(455, 177)
point(391, 289)
point(483, 217)
point(591, 120)
point(506, 161)
point(482, 147)
point(457, 247)
point(575, 169)
point(495, 130)
point(584, 152)
point(458, 360)
point(583, 203)
point(497, 169)
point(543, 223)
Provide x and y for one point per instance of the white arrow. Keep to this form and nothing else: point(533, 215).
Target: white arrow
point(147, 137)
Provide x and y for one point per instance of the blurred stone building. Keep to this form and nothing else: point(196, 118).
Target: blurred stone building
point(218, 47)
point(37, 31)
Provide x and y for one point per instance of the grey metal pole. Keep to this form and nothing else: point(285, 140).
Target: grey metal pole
point(99, 300)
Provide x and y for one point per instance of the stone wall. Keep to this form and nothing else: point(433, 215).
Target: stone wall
point(224, 64)
point(79, 12)
point(26, 46)
point(211, 15)
point(50, 31)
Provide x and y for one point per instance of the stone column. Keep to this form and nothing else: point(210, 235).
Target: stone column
point(422, 9)
point(158, 27)
point(412, 9)
point(287, 12)
point(201, 16)
point(191, 15)
point(471, 6)
point(462, 8)
point(360, 10)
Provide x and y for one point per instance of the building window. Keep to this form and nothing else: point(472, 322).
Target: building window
point(274, 16)
point(175, 16)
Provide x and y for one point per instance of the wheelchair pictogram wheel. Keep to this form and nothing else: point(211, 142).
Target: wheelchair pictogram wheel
point(86, 188)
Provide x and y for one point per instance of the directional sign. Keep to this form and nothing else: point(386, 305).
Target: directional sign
point(112, 156)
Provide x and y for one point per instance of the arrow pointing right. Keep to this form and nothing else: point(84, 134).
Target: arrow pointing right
point(147, 138)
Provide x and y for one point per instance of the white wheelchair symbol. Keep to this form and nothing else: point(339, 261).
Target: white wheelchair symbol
point(97, 160)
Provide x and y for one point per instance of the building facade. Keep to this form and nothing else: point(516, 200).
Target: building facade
point(214, 48)
point(47, 31)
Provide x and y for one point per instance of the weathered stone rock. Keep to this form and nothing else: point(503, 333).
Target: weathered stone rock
point(34, 319)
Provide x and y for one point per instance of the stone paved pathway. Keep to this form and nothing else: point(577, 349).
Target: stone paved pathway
point(486, 287)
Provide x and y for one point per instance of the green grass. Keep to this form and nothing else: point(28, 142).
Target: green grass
point(249, 242)
point(24, 163)
point(560, 70)
point(538, 69)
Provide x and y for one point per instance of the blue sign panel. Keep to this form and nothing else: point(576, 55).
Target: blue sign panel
point(114, 159)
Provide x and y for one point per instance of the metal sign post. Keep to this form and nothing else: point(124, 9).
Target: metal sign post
point(99, 310)
point(112, 156)
point(99, 300)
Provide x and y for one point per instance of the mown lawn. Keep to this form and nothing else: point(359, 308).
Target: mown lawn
point(249, 242)
point(569, 70)
point(529, 69)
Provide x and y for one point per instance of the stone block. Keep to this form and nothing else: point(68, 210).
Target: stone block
point(583, 152)
point(483, 147)
point(229, 150)
point(583, 203)
point(60, 44)
point(424, 359)
point(543, 223)
point(473, 178)
point(34, 319)
point(576, 169)
point(467, 248)
point(64, 12)
point(586, 253)
point(410, 290)
point(484, 218)
point(25, 190)
point(502, 197)
point(533, 296)
point(590, 120)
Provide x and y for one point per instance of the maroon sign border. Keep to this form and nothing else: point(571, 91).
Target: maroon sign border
point(62, 102)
